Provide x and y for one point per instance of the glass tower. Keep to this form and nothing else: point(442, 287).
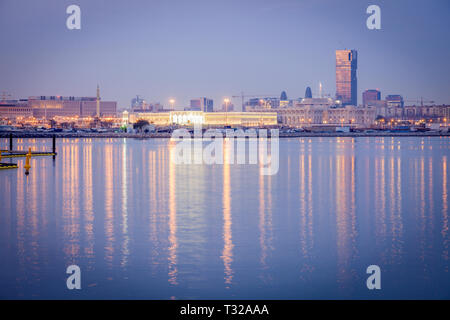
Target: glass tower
point(346, 82)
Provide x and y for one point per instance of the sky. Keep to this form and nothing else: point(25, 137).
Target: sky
point(182, 49)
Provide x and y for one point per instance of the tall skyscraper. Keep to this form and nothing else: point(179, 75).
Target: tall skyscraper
point(308, 92)
point(346, 81)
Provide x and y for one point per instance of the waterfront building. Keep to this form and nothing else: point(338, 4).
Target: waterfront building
point(15, 109)
point(370, 96)
point(346, 80)
point(438, 113)
point(380, 107)
point(48, 107)
point(201, 104)
point(323, 111)
point(315, 102)
point(394, 100)
point(218, 119)
point(307, 115)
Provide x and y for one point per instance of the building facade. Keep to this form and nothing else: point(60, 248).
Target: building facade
point(139, 103)
point(15, 109)
point(370, 96)
point(202, 104)
point(394, 100)
point(48, 107)
point(307, 115)
point(346, 80)
point(219, 119)
point(308, 92)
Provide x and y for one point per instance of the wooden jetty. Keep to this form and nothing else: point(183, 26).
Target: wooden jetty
point(8, 166)
point(19, 153)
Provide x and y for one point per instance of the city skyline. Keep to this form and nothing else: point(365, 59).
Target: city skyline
point(151, 52)
point(222, 158)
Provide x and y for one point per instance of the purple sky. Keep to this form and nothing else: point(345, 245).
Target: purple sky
point(185, 49)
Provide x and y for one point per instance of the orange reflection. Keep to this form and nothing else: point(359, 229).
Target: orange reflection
point(262, 207)
point(306, 214)
point(70, 196)
point(172, 217)
point(380, 203)
point(444, 231)
point(21, 228)
point(345, 217)
point(88, 198)
point(154, 207)
point(227, 253)
point(422, 207)
point(109, 209)
point(124, 184)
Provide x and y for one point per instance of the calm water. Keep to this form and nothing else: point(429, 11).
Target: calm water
point(140, 226)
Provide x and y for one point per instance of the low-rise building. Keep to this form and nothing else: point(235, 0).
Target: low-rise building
point(245, 119)
point(309, 115)
point(15, 109)
point(50, 106)
point(323, 111)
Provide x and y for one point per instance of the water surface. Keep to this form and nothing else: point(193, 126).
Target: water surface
point(140, 226)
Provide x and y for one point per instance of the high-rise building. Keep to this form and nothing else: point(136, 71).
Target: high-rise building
point(202, 104)
point(346, 81)
point(371, 95)
point(138, 103)
point(308, 93)
point(283, 96)
point(394, 100)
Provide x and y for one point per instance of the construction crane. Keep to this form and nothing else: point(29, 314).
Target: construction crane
point(242, 96)
point(421, 101)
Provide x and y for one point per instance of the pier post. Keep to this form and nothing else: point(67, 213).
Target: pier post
point(10, 142)
point(27, 162)
point(54, 146)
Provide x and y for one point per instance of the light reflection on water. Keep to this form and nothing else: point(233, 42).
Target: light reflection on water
point(140, 226)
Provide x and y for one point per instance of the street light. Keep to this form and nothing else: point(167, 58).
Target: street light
point(226, 100)
point(172, 102)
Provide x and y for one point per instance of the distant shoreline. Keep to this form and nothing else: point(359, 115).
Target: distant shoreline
point(166, 135)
